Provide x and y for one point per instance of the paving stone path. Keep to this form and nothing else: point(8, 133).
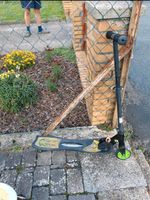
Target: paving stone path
point(72, 176)
point(43, 176)
point(63, 175)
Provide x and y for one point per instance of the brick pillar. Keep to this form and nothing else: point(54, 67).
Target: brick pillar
point(102, 17)
point(77, 16)
point(67, 5)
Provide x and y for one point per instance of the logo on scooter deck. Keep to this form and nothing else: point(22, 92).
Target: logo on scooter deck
point(94, 147)
point(45, 142)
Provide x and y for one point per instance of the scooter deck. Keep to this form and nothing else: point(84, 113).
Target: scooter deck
point(84, 145)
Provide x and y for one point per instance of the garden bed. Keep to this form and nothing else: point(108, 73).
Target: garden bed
point(49, 104)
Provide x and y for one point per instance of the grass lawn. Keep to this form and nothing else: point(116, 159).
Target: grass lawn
point(66, 53)
point(11, 11)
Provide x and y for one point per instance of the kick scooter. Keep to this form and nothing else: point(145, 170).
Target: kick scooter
point(105, 144)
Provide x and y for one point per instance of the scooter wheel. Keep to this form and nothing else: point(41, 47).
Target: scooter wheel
point(124, 156)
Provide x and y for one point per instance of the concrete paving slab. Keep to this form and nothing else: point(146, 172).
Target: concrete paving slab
point(82, 197)
point(74, 181)
point(24, 184)
point(71, 156)
point(58, 197)
point(125, 194)
point(40, 193)
point(13, 160)
point(44, 158)
point(41, 176)
point(3, 158)
point(29, 158)
point(58, 181)
point(9, 177)
point(144, 166)
point(106, 172)
point(58, 159)
point(72, 159)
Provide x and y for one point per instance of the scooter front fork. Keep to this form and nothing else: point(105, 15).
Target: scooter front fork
point(121, 142)
point(118, 40)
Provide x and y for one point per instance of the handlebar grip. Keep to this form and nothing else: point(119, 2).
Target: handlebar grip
point(120, 39)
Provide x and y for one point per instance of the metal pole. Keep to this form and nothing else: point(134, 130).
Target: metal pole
point(118, 97)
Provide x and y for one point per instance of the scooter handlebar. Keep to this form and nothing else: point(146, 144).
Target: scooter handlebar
point(120, 39)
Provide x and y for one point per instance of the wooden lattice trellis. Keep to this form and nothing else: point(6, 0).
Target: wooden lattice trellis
point(101, 102)
point(95, 59)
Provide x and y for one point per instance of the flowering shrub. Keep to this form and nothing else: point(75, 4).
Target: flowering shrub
point(7, 74)
point(19, 60)
point(16, 91)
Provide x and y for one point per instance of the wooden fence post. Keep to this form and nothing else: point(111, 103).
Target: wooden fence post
point(136, 10)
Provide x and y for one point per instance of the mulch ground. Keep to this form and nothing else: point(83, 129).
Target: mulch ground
point(49, 105)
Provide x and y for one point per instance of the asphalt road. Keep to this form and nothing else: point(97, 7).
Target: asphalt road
point(138, 93)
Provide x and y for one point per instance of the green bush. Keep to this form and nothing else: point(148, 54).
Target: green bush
point(16, 92)
point(52, 86)
point(56, 72)
point(52, 81)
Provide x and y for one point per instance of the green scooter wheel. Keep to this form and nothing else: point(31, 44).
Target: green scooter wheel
point(124, 156)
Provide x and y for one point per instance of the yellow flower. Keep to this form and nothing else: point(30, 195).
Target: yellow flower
point(6, 74)
point(19, 58)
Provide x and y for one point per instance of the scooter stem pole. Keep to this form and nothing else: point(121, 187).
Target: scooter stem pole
point(118, 88)
point(120, 135)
